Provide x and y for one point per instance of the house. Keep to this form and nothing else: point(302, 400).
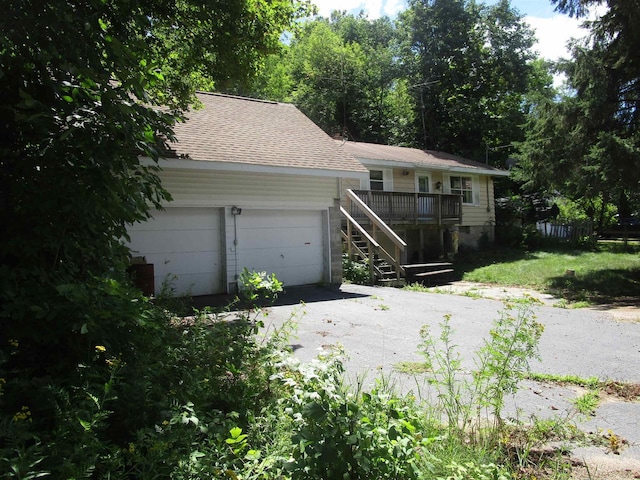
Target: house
point(255, 184)
point(432, 202)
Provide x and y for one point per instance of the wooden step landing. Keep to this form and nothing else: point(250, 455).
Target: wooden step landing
point(427, 265)
point(435, 272)
point(434, 277)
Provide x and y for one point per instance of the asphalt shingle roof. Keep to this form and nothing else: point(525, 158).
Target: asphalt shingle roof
point(426, 158)
point(247, 131)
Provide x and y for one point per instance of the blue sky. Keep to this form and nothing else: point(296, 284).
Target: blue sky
point(553, 30)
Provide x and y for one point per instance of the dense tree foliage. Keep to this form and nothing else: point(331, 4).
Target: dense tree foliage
point(343, 73)
point(446, 75)
point(81, 84)
point(586, 144)
point(470, 67)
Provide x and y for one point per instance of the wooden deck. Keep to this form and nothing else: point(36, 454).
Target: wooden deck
point(397, 208)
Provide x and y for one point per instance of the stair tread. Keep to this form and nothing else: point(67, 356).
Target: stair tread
point(436, 272)
point(424, 265)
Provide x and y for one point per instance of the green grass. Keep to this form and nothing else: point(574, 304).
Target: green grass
point(600, 274)
point(626, 390)
point(588, 402)
point(412, 368)
point(591, 382)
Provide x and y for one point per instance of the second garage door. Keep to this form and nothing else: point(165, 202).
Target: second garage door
point(288, 243)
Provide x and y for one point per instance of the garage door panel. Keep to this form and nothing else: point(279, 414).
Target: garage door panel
point(179, 219)
point(190, 284)
point(175, 241)
point(302, 255)
point(184, 262)
point(270, 218)
point(284, 238)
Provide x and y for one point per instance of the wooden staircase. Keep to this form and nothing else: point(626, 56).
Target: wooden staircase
point(385, 267)
point(384, 273)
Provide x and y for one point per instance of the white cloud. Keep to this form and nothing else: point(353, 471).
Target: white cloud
point(325, 7)
point(391, 8)
point(554, 33)
point(373, 8)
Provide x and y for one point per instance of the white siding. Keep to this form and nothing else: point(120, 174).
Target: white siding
point(244, 189)
point(404, 183)
point(477, 215)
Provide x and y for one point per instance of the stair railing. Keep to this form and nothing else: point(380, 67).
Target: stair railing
point(373, 247)
point(378, 226)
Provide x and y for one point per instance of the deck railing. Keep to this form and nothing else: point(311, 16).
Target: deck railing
point(411, 208)
point(355, 204)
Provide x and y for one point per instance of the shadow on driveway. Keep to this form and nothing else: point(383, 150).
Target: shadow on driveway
point(291, 296)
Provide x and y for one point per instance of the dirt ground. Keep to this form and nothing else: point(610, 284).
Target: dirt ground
point(624, 310)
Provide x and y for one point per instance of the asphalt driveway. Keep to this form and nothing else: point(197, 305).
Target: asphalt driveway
point(379, 327)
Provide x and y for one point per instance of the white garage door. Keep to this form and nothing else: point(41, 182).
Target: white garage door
point(184, 245)
point(288, 243)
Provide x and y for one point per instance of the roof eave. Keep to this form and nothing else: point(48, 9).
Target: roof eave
point(209, 165)
point(444, 168)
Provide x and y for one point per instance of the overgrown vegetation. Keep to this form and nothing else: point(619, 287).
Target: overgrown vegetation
point(258, 287)
point(500, 364)
point(598, 274)
point(354, 271)
point(89, 94)
point(211, 396)
point(624, 390)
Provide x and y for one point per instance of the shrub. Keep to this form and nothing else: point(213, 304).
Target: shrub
point(339, 433)
point(140, 397)
point(357, 272)
point(258, 287)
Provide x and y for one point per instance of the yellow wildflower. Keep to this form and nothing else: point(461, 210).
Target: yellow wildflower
point(101, 348)
point(23, 415)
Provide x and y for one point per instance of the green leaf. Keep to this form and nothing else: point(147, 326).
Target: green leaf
point(86, 425)
point(253, 455)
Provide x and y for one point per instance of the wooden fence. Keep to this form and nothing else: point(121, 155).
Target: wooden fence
point(565, 231)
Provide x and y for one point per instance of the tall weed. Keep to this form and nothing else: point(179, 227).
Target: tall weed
point(469, 401)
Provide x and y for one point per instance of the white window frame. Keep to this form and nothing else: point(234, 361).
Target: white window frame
point(475, 188)
point(387, 180)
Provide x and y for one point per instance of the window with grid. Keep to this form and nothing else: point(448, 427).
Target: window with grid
point(462, 186)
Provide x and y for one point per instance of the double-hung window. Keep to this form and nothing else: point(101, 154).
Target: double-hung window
point(376, 180)
point(380, 180)
point(462, 186)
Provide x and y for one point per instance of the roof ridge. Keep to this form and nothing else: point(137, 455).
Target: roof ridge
point(237, 97)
